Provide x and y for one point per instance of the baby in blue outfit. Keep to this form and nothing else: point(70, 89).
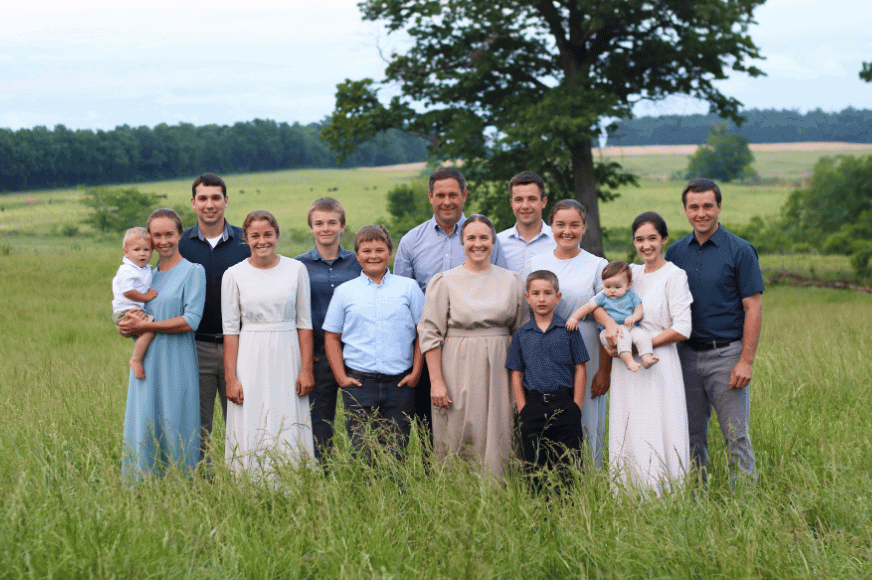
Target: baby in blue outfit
point(625, 307)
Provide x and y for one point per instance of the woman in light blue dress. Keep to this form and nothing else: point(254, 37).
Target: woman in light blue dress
point(162, 421)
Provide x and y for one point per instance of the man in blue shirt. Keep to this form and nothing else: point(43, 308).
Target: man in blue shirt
point(375, 317)
point(530, 235)
point(434, 246)
point(216, 245)
point(329, 265)
point(723, 273)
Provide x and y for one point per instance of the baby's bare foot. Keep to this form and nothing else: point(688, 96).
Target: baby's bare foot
point(649, 360)
point(138, 369)
point(633, 366)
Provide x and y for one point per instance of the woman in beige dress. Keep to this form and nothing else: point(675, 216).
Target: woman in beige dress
point(470, 313)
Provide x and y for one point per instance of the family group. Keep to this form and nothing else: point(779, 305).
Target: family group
point(476, 334)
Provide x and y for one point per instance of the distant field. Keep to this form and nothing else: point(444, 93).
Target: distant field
point(363, 191)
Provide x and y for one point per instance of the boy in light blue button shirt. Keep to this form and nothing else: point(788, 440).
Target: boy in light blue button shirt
point(371, 343)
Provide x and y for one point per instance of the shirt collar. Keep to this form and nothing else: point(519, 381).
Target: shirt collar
point(435, 225)
point(556, 321)
point(130, 262)
point(369, 281)
point(225, 235)
point(544, 232)
point(717, 238)
point(316, 255)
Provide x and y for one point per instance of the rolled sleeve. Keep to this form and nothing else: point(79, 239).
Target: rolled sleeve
point(679, 298)
point(334, 320)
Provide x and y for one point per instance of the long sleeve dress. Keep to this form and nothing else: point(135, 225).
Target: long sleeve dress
point(162, 420)
point(580, 280)
point(265, 308)
point(472, 316)
point(648, 437)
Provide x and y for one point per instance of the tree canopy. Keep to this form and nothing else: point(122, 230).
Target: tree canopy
point(519, 85)
point(725, 157)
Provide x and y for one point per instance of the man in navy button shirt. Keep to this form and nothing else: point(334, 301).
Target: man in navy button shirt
point(216, 245)
point(329, 265)
point(723, 272)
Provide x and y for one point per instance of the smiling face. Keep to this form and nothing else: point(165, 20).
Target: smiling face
point(209, 202)
point(447, 200)
point(616, 286)
point(138, 251)
point(527, 204)
point(262, 238)
point(542, 297)
point(702, 210)
point(649, 243)
point(327, 226)
point(373, 256)
point(567, 227)
point(164, 236)
point(477, 244)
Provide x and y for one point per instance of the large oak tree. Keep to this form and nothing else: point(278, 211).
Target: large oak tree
point(517, 85)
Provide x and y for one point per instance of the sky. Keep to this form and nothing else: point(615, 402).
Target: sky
point(96, 66)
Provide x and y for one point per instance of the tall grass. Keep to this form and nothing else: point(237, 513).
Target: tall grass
point(66, 514)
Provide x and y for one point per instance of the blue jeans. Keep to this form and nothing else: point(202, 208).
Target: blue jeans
point(381, 406)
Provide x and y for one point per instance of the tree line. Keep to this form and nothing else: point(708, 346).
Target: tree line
point(762, 126)
point(40, 158)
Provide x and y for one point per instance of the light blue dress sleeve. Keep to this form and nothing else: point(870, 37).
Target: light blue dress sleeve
point(195, 296)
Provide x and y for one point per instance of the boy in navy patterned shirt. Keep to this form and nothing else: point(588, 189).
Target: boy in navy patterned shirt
point(548, 377)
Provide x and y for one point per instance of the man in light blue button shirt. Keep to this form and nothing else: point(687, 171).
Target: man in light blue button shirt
point(372, 343)
point(530, 235)
point(435, 246)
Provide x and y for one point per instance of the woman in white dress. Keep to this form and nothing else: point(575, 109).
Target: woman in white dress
point(648, 437)
point(580, 276)
point(268, 352)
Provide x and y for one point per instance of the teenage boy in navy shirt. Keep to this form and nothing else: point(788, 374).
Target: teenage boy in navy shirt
point(548, 376)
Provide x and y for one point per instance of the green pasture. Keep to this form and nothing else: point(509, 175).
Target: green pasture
point(65, 513)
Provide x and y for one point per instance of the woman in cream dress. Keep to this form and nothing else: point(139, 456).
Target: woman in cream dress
point(470, 313)
point(268, 352)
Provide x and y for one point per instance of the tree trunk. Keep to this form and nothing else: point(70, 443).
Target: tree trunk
point(585, 193)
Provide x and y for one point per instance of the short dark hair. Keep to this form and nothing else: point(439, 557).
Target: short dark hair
point(327, 204)
point(701, 185)
point(568, 204)
point(373, 233)
point(446, 173)
point(165, 212)
point(616, 268)
point(259, 215)
point(546, 275)
point(477, 217)
point(209, 179)
point(653, 218)
point(525, 178)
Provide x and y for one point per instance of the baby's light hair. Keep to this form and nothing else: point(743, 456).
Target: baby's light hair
point(617, 268)
point(137, 232)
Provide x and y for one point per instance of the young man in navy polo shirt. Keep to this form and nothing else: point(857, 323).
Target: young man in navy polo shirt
point(548, 376)
point(723, 273)
point(216, 245)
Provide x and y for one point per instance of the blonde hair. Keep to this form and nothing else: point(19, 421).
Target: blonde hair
point(133, 233)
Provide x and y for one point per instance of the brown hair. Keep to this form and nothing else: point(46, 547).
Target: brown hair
point(137, 232)
point(327, 204)
point(211, 180)
point(477, 217)
point(165, 212)
point(446, 173)
point(373, 233)
point(546, 275)
point(701, 185)
point(526, 178)
point(259, 215)
point(617, 268)
point(568, 204)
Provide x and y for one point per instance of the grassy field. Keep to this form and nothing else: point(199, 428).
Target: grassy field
point(66, 514)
